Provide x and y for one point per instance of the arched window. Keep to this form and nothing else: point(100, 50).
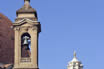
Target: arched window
point(25, 45)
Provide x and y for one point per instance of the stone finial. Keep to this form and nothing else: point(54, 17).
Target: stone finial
point(74, 54)
point(74, 58)
point(26, 0)
point(27, 4)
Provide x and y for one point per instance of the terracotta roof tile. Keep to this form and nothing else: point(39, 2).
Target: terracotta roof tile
point(6, 41)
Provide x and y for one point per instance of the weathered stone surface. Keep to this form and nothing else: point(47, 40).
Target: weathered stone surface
point(6, 40)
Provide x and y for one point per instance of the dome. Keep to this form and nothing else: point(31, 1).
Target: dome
point(6, 40)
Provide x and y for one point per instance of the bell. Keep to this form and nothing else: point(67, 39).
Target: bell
point(25, 42)
point(25, 38)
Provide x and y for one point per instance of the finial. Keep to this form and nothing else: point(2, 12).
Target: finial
point(74, 54)
point(74, 58)
point(26, 0)
point(26, 4)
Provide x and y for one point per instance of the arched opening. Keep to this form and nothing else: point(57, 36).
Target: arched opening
point(25, 45)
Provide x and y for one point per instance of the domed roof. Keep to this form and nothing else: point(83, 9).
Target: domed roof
point(6, 40)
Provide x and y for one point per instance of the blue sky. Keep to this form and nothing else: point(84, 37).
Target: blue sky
point(67, 25)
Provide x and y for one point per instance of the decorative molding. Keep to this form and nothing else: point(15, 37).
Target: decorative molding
point(34, 28)
point(17, 28)
point(25, 28)
point(26, 20)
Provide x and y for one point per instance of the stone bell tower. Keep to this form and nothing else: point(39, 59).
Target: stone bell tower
point(26, 28)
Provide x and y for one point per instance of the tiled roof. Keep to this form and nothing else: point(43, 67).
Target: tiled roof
point(6, 40)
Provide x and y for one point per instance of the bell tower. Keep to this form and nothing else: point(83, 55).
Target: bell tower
point(26, 28)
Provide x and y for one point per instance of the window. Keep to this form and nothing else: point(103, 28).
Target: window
point(25, 45)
